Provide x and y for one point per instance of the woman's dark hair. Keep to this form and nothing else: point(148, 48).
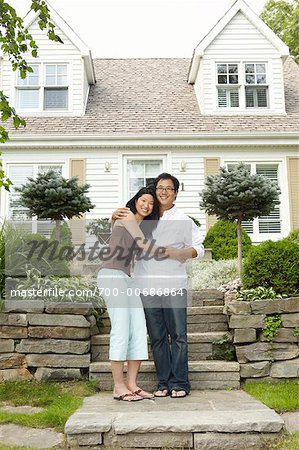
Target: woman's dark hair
point(150, 222)
point(167, 176)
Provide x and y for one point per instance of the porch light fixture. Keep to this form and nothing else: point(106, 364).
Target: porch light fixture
point(107, 166)
point(183, 166)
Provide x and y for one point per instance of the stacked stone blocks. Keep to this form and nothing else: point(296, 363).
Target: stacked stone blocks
point(259, 358)
point(45, 340)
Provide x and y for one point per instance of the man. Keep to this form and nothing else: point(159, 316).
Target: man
point(163, 285)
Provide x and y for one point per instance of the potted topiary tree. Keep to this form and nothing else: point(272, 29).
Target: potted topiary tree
point(51, 196)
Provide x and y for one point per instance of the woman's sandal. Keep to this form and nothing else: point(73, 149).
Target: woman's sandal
point(144, 394)
point(125, 397)
point(162, 393)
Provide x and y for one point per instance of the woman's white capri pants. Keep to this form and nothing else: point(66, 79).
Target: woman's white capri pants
point(128, 337)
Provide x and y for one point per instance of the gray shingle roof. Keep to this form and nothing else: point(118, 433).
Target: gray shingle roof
point(148, 96)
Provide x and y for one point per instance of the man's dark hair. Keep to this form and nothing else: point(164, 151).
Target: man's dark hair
point(167, 176)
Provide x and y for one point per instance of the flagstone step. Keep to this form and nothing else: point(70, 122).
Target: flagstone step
point(202, 374)
point(206, 297)
point(200, 345)
point(199, 319)
point(214, 420)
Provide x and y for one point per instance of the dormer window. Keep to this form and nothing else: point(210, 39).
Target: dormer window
point(242, 85)
point(44, 89)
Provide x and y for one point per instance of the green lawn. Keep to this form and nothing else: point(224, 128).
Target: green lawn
point(60, 401)
point(282, 396)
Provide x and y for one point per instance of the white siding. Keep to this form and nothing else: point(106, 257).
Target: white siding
point(240, 41)
point(107, 188)
point(50, 51)
point(191, 180)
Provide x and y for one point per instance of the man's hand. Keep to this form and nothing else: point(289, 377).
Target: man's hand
point(120, 213)
point(179, 254)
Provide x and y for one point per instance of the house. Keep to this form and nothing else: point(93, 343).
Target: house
point(118, 123)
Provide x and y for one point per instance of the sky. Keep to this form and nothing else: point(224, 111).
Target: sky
point(140, 28)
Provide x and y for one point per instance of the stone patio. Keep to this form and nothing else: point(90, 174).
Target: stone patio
point(214, 420)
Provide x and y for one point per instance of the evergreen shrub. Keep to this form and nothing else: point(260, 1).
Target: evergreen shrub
point(222, 239)
point(273, 264)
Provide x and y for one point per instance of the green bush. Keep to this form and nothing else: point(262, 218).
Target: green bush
point(273, 264)
point(24, 251)
point(294, 236)
point(222, 239)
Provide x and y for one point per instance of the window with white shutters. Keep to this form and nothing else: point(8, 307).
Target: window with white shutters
point(270, 224)
point(242, 85)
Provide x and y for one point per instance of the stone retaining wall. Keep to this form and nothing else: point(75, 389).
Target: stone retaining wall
point(259, 358)
point(44, 340)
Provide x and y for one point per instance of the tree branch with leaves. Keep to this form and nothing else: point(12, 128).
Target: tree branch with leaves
point(16, 42)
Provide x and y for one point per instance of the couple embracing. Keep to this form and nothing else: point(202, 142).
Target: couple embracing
point(154, 299)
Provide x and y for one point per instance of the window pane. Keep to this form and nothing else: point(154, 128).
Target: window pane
point(268, 170)
point(256, 97)
point(261, 68)
point(152, 169)
point(46, 168)
point(56, 98)
point(222, 68)
point(261, 79)
point(27, 98)
point(222, 102)
point(19, 175)
point(31, 77)
point(50, 80)
point(248, 226)
point(222, 79)
point(233, 68)
point(234, 99)
point(262, 98)
point(233, 79)
point(249, 98)
point(135, 169)
point(135, 184)
point(50, 69)
point(61, 69)
point(61, 80)
point(249, 68)
point(250, 79)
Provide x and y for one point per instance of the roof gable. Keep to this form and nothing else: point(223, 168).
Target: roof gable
point(256, 21)
point(32, 16)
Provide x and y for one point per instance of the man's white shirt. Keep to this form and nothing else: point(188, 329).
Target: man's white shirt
point(174, 229)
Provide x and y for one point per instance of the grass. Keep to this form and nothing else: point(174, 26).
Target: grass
point(289, 443)
point(59, 400)
point(282, 396)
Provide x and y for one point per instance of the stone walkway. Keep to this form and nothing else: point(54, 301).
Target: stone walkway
point(203, 420)
point(16, 435)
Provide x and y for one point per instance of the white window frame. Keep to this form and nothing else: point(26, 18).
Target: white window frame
point(42, 86)
point(35, 165)
point(241, 86)
point(138, 157)
point(256, 236)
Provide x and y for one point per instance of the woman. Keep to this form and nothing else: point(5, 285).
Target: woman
point(128, 337)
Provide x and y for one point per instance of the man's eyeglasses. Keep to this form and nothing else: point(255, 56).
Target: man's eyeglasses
point(167, 189)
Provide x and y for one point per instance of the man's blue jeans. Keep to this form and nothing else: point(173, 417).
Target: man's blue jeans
point(166, 320)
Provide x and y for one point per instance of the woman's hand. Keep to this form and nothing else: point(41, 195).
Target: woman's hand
point(120, 213)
